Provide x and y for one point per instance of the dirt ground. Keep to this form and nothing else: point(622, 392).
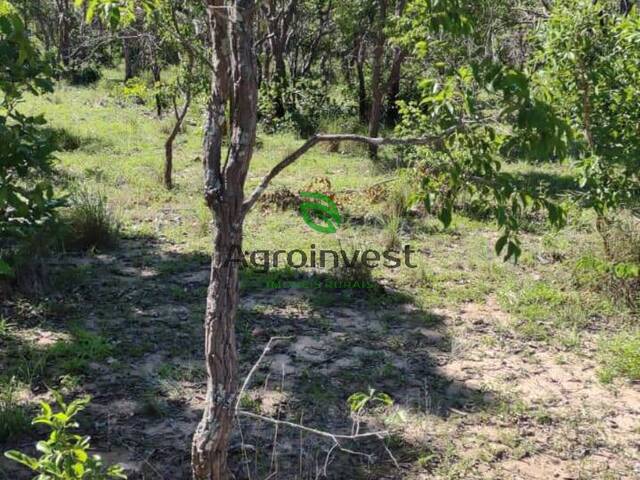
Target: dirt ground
point(470, 399)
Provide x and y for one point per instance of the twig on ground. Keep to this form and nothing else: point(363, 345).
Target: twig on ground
point(255, 367)
point(335, 437)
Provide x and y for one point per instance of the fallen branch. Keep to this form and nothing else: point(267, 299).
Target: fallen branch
point(266, 350)
point(335, 437)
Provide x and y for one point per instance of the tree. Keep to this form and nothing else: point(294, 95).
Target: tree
point(27, 202)
point(177, 26)
point(588, 65)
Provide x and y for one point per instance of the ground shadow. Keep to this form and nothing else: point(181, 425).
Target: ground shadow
point(132, 326)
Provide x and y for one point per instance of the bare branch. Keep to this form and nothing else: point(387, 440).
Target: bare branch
point(332, 436)
point(432, 140)
point(253, 370)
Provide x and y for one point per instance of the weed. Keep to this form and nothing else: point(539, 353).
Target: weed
point(391, 237)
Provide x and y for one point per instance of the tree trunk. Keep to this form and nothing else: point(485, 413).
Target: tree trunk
point(234, 64)
point(393, 93)
point(168, 146)
point(211, 439)
point(278, 27)
point(155, 70)
point(376, 79)
point(393, 90)
point(362, 86)
point(64, 32)
point(132, 55)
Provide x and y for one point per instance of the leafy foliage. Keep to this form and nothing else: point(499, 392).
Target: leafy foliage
point(359, 401)
point(64, 454)
point(27, 202)
point(475, 141)
point(588, 64)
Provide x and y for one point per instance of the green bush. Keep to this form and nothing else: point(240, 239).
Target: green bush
point(307, 103)
point(618, 273)
point(64, 455)
point(27, 202)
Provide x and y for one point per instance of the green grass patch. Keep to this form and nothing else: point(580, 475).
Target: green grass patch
point(620, 357)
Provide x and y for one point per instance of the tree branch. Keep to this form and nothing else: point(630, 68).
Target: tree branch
point(433, 140)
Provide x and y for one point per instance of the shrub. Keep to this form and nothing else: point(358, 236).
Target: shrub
point(90, 223)
point(307, 103)
point(64, 454)
point(85, 74)
point(27, 202)
point(400, 197)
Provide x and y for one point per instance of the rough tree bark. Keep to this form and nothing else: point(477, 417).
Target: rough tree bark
point(376, 77)
point(362, 86)
point(234, 64)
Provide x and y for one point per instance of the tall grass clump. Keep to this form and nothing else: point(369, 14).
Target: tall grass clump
point(14, 418)
point(90, 222)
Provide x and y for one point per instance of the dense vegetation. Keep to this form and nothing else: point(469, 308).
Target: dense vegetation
point(493, 146)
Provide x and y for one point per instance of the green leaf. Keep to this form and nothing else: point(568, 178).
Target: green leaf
point(20, 457)
point(501, 243)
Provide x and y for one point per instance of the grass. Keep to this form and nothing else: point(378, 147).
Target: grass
point(90, 222)
point(14, 416)
point(74, 355)
point(620, 357)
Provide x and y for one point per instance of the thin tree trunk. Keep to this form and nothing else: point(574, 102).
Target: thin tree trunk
point(362, 86)
point(376, 79)
point(393, 93)
point(393, 89)
point(168, 146)
point(155, 70)
point(211, 439)
point(234, 59)
point(132, 55)
point(64, 32)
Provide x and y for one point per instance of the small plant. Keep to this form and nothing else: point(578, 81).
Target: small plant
point(91, 223)
point(4, 327)
point(64, 454)
point(391, 233)
point(400, 198)
point(359, 401)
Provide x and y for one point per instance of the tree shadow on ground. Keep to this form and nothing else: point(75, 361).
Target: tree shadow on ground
point(555, 184)
point(132, 326)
